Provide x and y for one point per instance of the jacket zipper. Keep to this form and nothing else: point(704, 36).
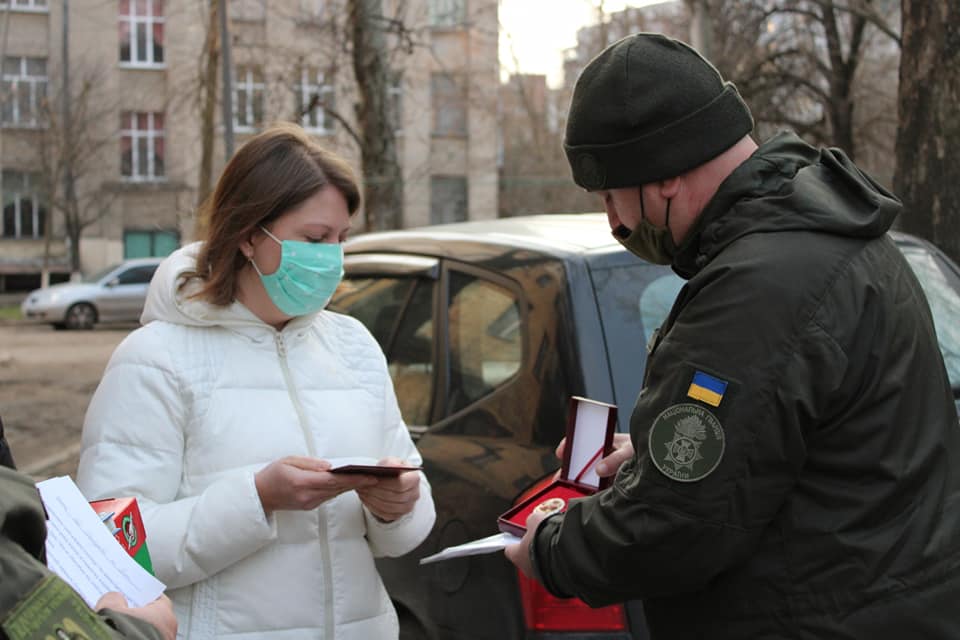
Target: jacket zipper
point(321, 511)
point(292, 392)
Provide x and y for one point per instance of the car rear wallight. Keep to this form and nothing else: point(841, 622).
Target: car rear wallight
point(545, 612)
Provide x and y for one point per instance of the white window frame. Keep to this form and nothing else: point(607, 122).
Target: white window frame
point(312, 81)
point(30, 192)
point(245, 82)
point(151, 134)
point(134, 20)
point(32, 84)
point(26, 6)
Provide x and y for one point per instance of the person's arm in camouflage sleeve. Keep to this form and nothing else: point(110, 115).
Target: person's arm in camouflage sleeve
point(22, 573)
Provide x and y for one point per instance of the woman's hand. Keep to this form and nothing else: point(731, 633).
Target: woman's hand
point(622, 451)
point(159, 613)
point(391, 498)
point(298, 483)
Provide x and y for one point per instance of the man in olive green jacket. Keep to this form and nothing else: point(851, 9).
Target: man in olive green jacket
point(797, 453)
point(35, 603)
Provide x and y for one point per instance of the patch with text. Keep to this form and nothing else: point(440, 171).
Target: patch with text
point(686, 442)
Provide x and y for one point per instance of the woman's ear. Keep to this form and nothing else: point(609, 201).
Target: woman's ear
point(247, 244)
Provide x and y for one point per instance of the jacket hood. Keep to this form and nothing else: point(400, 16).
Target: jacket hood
point(788, 185)
point(168, 301)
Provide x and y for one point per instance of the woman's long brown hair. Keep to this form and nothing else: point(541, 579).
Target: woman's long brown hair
point(271, 174)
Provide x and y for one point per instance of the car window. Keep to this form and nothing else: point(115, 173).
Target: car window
point(942, 288)
point(96, 277)
point(137, 275)
point(485, 338)
point(399, 313)
point(634, 301)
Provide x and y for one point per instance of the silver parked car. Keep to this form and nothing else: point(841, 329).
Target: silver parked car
point(115, 294)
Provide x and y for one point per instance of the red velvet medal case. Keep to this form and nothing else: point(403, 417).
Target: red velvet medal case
point(590, 428)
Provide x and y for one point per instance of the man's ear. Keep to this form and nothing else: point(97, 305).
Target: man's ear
point(670, 187)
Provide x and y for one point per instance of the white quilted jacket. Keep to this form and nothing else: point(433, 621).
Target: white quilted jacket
point(200, 398)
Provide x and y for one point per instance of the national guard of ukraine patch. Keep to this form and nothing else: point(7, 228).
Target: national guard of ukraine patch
point(54, 611)
point(686, 442)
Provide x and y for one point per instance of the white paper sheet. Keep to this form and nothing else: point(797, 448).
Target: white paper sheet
point(82, 552)
point(496, 542)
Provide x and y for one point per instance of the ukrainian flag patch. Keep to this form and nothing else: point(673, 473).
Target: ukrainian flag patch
point(707, 388)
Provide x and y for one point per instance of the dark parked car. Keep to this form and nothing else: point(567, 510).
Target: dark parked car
point(489, 328)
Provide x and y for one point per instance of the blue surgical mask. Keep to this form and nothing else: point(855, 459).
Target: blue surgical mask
point(308, 274)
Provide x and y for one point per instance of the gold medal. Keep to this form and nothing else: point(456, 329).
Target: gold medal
point(549, 506)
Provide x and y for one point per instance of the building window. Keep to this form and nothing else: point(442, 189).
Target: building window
point(146, 243)
point(449, 97)
point(248, 99)
point(314, 98)
point(141, 146)
point(248, 10)
point(448, 199)
point(24, 215)
point(25, 5)
point(448, 13)
point(395, 101)
point(141, 32)
point(24, 90)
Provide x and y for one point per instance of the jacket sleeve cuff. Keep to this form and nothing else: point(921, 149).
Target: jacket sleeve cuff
point(540, 547)
point(404, 534)
point(128, 626)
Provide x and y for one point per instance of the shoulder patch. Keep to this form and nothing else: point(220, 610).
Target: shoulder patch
point(686, 442)
point(54, 611)
point(707, 388)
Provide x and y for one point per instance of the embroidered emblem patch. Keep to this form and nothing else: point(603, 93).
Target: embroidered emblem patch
point(686, 442)
point(54, 611)
point(707, 388)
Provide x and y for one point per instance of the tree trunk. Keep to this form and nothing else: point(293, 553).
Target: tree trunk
point(842, 72)
point(927, 176)
point(382, 178)
point(207, 115)
point(701, 27)
point(74, 229)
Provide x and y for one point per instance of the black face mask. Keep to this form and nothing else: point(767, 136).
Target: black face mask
point(647, 241)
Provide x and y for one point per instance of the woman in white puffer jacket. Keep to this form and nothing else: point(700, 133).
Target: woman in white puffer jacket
point(223, 414)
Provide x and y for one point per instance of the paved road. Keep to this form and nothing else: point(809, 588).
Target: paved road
point(46, 380)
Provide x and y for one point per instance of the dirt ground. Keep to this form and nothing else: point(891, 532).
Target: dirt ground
point(46, 380)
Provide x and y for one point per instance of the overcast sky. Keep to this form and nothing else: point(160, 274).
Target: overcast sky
point(536, 32)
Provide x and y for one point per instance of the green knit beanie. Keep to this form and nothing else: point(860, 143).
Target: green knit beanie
point(646, 109)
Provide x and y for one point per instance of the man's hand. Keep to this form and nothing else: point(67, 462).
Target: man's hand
point(519, 554)
point(159, 613)
point(298, 483)
point(622, 451)
point(391, 498)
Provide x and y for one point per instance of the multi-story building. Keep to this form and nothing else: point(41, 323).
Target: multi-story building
point(670, 17)
point(534, 174)
point(132, 138)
